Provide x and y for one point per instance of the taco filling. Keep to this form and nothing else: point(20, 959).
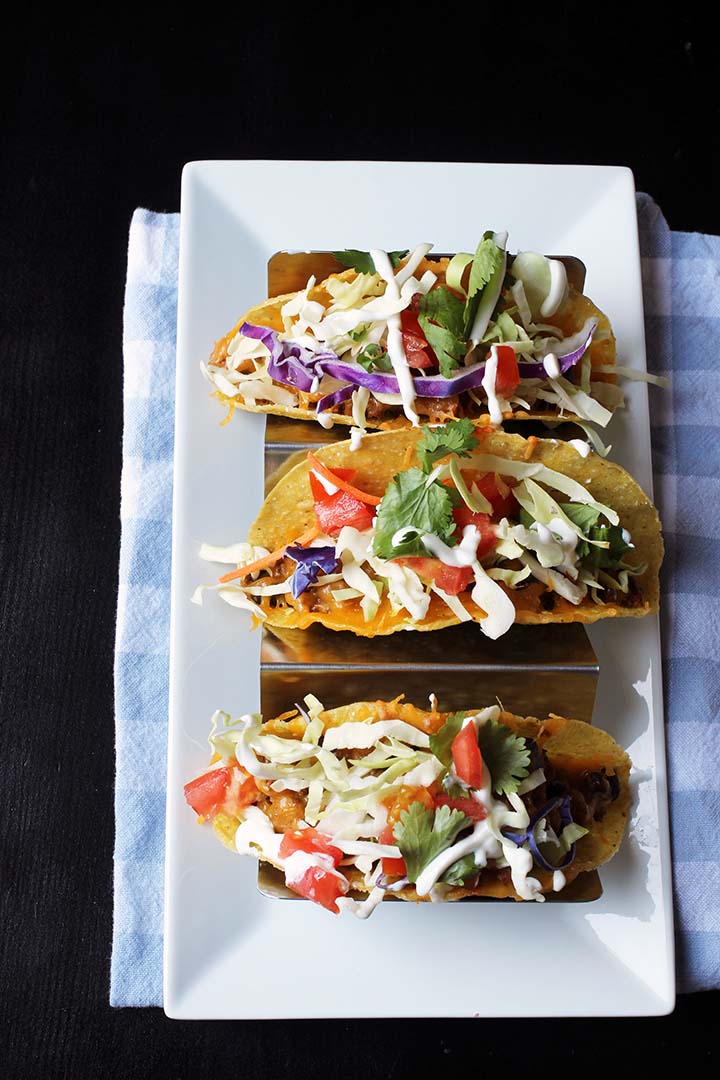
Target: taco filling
point(380, 797)
point(400, 336)
point(467, 533)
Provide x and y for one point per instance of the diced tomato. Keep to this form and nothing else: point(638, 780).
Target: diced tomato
point(473, 809)
point(318, 490)
point(418, 352)
point(500, 497)
point(309, 840)
point(451, 579)
point(322, 886)
point(342, 509)
point(463, 515)
point(467, 759)
point(230, 789)
point(508, 374)
point(392, 867)
point(207, 792)
point(242, 790)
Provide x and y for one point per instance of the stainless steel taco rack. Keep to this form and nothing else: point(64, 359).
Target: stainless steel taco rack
point(532, 670)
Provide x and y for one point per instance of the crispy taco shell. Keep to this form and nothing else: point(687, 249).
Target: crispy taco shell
point(573, 747)
point(288, 512)
point(570, 318)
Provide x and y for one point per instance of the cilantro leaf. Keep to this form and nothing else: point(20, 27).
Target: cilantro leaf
point(421, 834)
point(453, 789)
point(440, 315)
point(443, 307)
point(583, 516)
point(441, 741)
point(410, 502)
point(448, 349)
point(487, 262)
point(362, 260)
point(374, 358)
point(505, 754)
point(359, 332)
point(463, 870)
point(457, 437)
point(604, 558)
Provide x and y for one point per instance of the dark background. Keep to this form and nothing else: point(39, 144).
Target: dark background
point(98, 120)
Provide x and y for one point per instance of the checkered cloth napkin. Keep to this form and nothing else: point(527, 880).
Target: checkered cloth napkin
point(681, 277)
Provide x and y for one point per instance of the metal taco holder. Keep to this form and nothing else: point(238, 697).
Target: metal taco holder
point(532, 670)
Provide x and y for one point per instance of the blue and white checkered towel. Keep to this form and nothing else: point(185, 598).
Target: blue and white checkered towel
point(681, 276)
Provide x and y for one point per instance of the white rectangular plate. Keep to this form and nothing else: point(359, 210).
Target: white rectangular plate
point(230, 952)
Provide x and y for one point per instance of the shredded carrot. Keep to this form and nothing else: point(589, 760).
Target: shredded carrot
point(272, 558)
point(330, 476)
point(530, 448)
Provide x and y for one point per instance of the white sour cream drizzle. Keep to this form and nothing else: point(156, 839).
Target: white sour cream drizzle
point(395, 348)
point(581, 446)
point(354, 828)
point(486, 840)
point(488, 384)
point(356, 438)
point(552, 366)
point(463, 554)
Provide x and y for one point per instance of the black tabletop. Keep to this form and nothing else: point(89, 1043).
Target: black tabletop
point(99, 119)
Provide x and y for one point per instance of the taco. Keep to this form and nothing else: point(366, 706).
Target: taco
point(396, 337)
point(422, 530)
point(380, 797)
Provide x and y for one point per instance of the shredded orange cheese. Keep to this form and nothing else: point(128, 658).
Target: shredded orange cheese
point(530, 448)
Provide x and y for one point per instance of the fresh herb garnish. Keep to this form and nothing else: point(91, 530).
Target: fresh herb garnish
point(417, 505)
point(362, 261)
point(457, 437)
point(463, 870)
point(374, 358)
point(504, 754)
point(452, 788)
point(608, 558)
point(441, 741)
point(582, 516)
point(440, 315)
point(487, 262)
point(411, 503)
point(586, 518)
point(421, 834)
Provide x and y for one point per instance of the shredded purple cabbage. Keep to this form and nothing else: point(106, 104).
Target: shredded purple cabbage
point(311, 562)
point(294, 365)
point(335, 398)
point(528, 835)
point(382, 881)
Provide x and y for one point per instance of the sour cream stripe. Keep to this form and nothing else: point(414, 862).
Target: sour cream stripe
point(395, 348)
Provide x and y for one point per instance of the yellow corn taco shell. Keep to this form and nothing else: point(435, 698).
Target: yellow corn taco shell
point(570, 318)
point(573, 748)
point(288, 512)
